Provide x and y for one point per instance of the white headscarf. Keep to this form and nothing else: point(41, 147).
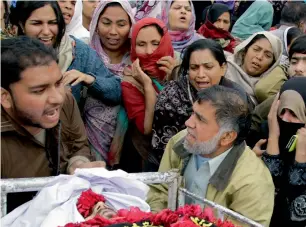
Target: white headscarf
point(75, 27)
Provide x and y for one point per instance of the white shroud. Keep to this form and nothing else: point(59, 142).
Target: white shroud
point(55, 204)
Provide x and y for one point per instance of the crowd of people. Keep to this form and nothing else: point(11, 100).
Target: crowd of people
point(216, 89)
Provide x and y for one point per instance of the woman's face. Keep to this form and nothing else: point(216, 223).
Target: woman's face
point(223, 22)
point(288, 115)
point(258, 58)
point(204, 69)
point(180, 15)
point(113, 28)
point(42, 24)
point(89, 7)
point(67, 8)
point(147, 40)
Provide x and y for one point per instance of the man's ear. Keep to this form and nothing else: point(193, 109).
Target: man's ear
point(6, 99)
point(228, 138)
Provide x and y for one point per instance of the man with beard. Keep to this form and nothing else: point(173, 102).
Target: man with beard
point(42, 133)
point(213, 159)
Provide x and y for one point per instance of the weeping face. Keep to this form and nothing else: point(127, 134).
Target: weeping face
point(147, 40)
point(43, 25)
point(113, 28)
point(67, 8)
point(180, 15)
point(204, 70)
point(258, 58)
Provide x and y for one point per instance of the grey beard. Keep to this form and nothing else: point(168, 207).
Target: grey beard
point(204, 148)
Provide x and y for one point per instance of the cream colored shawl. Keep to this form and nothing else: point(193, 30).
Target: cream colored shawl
point(235, 72)
point(65, 55)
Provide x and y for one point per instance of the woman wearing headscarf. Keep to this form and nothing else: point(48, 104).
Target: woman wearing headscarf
point(72, 13)
point(179, 16)
point(75, 27)
point(257, 18)
point(217, 22)
point(110, 28)
point(254, 59)
point(285, 159)
point(271, 84)
point(109, 36)
point(140, 86)
point(203, 65)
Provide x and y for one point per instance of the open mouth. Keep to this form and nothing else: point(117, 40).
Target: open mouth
point(183, 19)
point(203, 84)
point(113, 41)
point(46, 40)
point(67, 15)
point(255, 65)
point(52, 115)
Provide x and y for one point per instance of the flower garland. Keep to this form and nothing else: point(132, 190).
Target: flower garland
point(87, 201)
point(187, 216)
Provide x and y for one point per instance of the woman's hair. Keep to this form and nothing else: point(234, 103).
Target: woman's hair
point(159, 29)
point(6, 13)
point(298, 46)
point(113, 4)
point(24, 9)
point(202, 44)
point(254, 40)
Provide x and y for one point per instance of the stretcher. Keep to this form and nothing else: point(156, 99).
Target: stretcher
point(176, 194)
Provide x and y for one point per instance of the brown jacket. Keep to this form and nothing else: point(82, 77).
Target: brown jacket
point(23, 156)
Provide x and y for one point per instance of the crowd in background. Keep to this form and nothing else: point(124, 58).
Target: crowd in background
point(216, 89)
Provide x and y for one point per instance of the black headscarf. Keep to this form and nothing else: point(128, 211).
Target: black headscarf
point(213, 12)
point(288, 129)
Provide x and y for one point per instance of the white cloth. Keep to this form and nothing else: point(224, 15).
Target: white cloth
point(55, 204)
point(75, 27)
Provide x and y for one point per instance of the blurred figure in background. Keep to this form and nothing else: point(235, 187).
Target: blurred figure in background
point(257, 18)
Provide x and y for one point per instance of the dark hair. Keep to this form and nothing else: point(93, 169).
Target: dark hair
point(293, 13)
point(6, 13)
point(20, 53)
point(202, 44)
point(113, 4)
point(159, 29)
point(233, 110)
point(24, 9)
point(293, 33)
point(214, 11)
point(298, 46)
point(256, 38)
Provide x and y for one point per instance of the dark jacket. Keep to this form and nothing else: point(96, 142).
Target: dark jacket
point(23, 156)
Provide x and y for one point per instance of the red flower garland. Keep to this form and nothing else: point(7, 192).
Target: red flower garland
point(186, 216)
point(87, 201)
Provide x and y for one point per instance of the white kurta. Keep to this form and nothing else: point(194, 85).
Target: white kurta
point(55, 205)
